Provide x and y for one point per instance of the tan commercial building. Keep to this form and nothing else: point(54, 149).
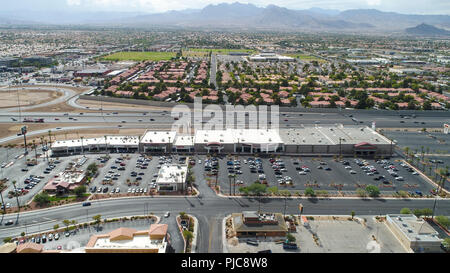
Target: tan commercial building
point(128, 240)
point(251, 223)
point(414, 233)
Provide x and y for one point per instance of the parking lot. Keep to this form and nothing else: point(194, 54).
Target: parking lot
point(330, 236)
point(435, 147)
point(296, 174)
point(121, 174)
point(76, 239)
point(130, 173)
point(31, 179)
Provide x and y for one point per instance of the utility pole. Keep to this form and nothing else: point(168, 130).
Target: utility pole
point(18, 104)
point(82, 147)
point(24, 133)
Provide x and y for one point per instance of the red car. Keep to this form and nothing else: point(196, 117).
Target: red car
point(123, 164)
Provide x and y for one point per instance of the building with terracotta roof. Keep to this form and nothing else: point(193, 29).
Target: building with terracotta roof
point(29, 248)
point(129, 240)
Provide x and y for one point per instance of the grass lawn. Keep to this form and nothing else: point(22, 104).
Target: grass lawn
point(140, 56)
point(304, 57)
point(222, 50)
point(70, 198)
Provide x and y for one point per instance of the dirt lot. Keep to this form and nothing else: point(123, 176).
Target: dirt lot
point(60, 107)
point(27, 97)
point(119, 106)
point(9, 130)
point(73, 88)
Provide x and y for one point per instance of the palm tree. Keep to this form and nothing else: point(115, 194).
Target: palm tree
point(1, 196)
point(406, 149)
point(443, 173)
point(17, 197)
point(182, 183)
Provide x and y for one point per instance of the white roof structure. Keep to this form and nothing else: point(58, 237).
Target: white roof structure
point(131, 141)
point(138, 242)
point(184, 140)
point(172, 174)
point(217, 136)
point(256, 136)
point(158, 137)
point(415, 229)
point(123, 140)
point(330, 135)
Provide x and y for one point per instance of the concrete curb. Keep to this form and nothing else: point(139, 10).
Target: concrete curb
point(194, 239)
point(158, 219)
point(224, 236)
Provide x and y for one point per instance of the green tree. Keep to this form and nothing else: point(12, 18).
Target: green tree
point(7, 240)
point(273, 190)
point(188, 235)
point(290, 238)
point(97, 218)
point(443, 221)
point(55, 227)
point(446, 243)
point(42, 199)
point(92, 169)
point(66, 223)
point(352, 214)
point(423, 212)
point(405, 211)
point(80, 191)
point(309, 191)
point(372, 191)
point(257, 188)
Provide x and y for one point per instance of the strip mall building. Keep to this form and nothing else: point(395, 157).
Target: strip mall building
point(307, 140)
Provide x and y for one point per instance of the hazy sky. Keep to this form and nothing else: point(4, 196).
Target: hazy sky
point(152, 6)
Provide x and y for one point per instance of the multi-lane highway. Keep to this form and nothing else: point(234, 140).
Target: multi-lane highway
point(286, 119)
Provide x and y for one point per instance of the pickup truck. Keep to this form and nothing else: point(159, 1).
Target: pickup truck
point(290, 246)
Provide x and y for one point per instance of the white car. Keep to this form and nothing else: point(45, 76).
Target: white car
point(302, 173)
point(129, 190)
point(199, 162)
point(348, 167)
point(117, 190)
point(167, 215)
point(399, 178)
point(415, 173)
point(352, 172)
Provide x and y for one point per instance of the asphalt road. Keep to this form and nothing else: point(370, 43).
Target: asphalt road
point(291, 120)
point(209, 210)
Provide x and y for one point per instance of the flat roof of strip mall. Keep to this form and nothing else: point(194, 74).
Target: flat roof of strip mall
point(231, 136)
point(330, 134)
point(110, 140)
point(158, 137)
point(305, 135)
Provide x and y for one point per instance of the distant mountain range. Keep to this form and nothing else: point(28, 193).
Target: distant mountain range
point(427, 30)
point(238, 16)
